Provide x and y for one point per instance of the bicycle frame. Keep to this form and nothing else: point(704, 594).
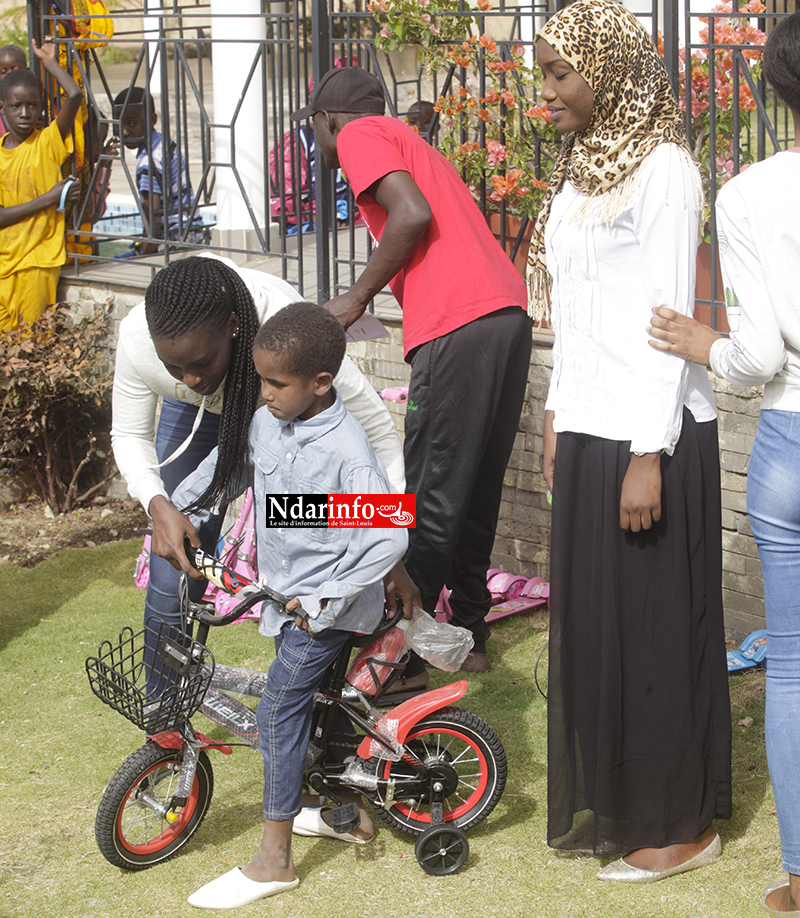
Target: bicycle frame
point(384, 733)
point(427, 768)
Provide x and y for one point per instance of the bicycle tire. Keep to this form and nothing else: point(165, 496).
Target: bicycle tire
point(131, 834)
point(462, 741)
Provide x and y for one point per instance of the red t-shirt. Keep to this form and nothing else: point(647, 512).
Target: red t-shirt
point(458, 272)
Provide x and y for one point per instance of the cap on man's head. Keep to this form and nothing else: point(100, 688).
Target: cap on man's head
point(345, 89)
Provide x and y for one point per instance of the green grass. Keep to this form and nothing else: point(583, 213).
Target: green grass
point(60, 746)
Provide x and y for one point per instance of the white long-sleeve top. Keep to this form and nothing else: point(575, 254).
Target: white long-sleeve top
point(140, 379)
point(607, 381)
point(759, 248)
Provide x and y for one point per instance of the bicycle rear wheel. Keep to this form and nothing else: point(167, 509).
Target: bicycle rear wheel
point(131, 828)
point(467, 752)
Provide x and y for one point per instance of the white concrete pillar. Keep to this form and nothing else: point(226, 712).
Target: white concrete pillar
point(151, 28)
point(239, 141)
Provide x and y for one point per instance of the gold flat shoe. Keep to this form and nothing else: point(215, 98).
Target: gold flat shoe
point(620, 872)
point(776, 884)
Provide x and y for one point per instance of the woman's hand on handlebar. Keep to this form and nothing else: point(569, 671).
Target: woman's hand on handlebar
point(399, 586)
point(170, 528)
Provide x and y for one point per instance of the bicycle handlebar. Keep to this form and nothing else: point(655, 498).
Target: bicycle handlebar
point(230, 582)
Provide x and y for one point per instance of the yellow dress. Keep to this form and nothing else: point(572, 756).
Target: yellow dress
point(32, 251)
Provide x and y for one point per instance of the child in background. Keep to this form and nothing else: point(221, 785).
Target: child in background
point(12, 57)
point(32, 190)
point(303, 441)
point(420, 116)
point(170, 206)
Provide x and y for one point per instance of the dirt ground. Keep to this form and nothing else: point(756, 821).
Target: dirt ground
point(29, 533)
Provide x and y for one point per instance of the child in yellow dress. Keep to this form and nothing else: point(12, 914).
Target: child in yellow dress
point(32, 191)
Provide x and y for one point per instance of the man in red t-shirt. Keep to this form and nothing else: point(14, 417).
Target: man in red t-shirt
point(465, 333)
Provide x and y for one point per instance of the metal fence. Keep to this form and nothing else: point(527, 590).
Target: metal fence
point(256, 179)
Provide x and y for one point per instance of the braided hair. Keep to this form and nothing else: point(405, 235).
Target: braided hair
point(185, 296)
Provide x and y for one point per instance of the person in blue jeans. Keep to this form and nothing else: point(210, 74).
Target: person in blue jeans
point(302, 441)
point(759, 246)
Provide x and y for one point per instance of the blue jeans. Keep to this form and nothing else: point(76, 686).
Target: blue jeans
point(284, 712)
point(773, 502)
point(174, 426)
point(161, 599)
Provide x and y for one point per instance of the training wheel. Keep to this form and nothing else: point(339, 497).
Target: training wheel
point(441, 850)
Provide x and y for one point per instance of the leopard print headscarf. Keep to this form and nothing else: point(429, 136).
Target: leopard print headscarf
point(634, 111)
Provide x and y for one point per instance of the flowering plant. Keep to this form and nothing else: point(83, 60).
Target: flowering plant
point(727, 30)
point(492, 129)
point(423, 23)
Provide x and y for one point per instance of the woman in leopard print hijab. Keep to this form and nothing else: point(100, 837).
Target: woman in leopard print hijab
point(634, 111)
point(638, 712)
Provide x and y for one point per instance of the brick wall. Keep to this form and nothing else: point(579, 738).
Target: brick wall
point(742, 587)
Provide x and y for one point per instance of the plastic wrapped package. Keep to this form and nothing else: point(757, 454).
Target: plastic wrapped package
point(442, 645)
point(390, 648)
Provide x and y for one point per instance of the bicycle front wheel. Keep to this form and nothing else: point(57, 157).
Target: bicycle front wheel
point(131, 827)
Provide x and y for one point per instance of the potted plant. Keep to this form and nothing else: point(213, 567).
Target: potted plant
point(424, 23)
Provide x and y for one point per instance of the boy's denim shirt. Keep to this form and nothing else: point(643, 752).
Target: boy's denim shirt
point(340, 568)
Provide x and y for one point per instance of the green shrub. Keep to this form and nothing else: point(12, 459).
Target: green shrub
point(55, 404)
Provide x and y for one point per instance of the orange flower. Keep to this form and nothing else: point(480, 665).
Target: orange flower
point(484, 115)
point(539, 112)
point(484, 4)
point(508, 186)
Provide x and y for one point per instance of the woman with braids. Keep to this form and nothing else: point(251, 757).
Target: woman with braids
point(639, 729)
point(191, 344)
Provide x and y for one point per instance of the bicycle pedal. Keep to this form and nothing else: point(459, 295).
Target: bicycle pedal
point(344, 818)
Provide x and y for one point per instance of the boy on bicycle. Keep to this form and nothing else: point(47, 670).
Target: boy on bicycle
point(302, 442)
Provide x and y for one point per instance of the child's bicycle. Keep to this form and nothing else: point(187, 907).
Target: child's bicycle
point(427, 769)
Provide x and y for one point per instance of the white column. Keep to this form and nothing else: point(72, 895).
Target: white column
point(150, 24)
point(244, 137)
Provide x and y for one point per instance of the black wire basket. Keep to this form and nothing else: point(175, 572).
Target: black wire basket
point(156, 677)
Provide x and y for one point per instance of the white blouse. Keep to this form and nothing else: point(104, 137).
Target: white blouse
point(759, 250)
point(607, 381)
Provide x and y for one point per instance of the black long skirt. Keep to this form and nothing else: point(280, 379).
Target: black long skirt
point(639, 726)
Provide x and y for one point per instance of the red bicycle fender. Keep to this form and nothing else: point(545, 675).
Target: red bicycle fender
point(171, 739)
point(409, 712)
